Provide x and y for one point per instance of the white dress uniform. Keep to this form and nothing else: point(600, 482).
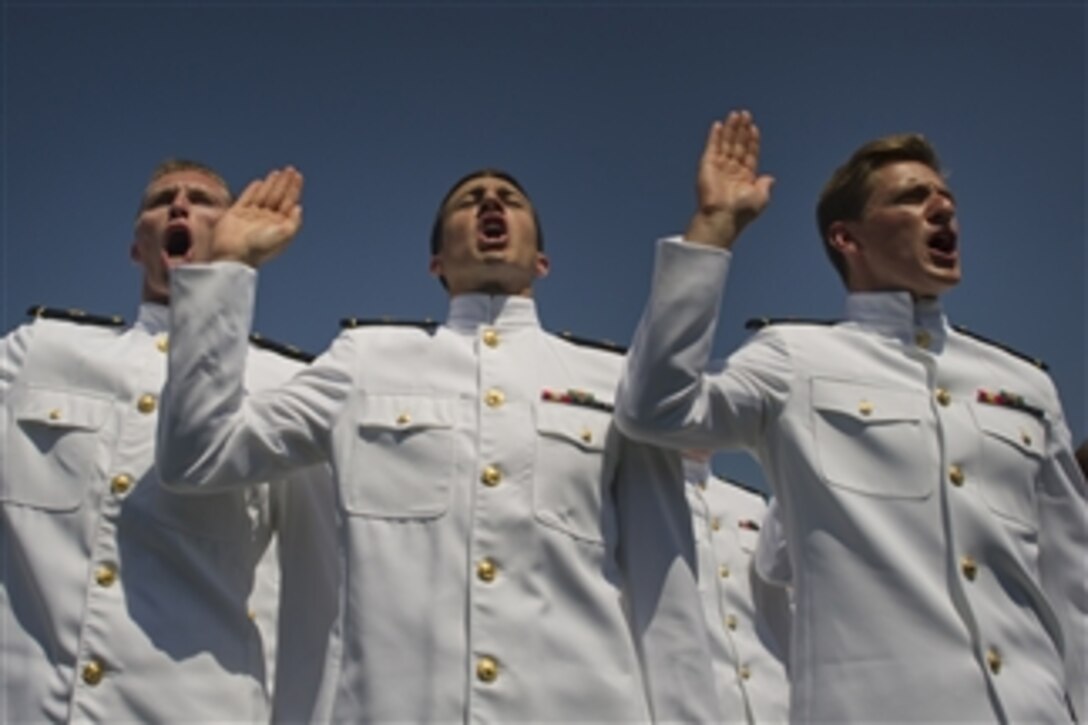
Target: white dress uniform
point(746, 642)
point(508, 556)
point(936, 522)
point(119, 601)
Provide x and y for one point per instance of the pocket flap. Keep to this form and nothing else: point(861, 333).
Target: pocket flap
point(866, 403)
point(1015, 427)
point(584, 427)
point(59, 408)
point(404, 412)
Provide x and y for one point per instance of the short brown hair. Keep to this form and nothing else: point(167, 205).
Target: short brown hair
point(847, 191)
point(173, 164)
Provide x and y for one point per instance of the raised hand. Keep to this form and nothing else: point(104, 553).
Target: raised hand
point(263, 221)
point(729, 190)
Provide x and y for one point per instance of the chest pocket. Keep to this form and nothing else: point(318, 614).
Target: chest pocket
point(402, 458)
point(870, 440)
point(1013, 443)
point(570, 487)
point(747, 538)
point(53, 449)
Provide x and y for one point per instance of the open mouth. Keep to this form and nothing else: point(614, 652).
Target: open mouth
point(178, 245)
point(944, 248)
point(491, 231)
point(178, 242)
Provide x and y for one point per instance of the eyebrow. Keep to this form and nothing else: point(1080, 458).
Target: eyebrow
point(915, 184)
point(156, 195)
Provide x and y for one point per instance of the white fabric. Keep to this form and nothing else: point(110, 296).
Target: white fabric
point(172, 632)
point(849, 425)
point(745, 638)
point(589, 534)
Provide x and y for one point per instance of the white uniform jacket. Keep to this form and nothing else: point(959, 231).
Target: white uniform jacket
point(119, 601)
point(746, 639)
point(936, 521)
point(501, 564)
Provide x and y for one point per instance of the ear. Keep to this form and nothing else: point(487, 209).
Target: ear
point(543, 265)
point(840, 235)
point(134, 252)
point(435, 267)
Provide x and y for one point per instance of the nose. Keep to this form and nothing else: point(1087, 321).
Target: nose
point(179, 205)
point(490, 202)
point(942, 211)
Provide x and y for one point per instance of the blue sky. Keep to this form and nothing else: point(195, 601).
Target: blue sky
point(600, 109)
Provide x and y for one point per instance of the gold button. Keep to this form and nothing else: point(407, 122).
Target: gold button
point(491, 338)
point(969, 566)
point(54, 414)
point(955, 475)
point(1025, 437)
point(92, 672)
point(723, 571)
point(715, 523)
point(922, 338)
point(491, 476)
point(486, 570)
point(105, 575)
point(494, 398)
point(162, 343)
point(993, 660)
point(731, 621)
point(404, 419)
point(943, 396)
point(744, 672)
point(865, 407)
point(146, 403)
point(587, 435)
point(252, 614)
point(487, 669)
point(120, 483)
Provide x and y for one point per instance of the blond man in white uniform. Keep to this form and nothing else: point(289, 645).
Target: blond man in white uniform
point(120, 601)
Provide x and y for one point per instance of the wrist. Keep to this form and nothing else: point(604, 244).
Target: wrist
point(712, 230)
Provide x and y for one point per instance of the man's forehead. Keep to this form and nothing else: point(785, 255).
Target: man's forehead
point(908, 173)
point(189, 179)
point(483, 183)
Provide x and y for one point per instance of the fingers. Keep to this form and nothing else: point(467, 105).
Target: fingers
point(279, 191)
point(741, 138)
point(713, 149)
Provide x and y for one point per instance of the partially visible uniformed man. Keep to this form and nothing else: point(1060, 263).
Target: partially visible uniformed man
point(120, 601)
point(508, 556)
point(748, 619)
point(933, 511)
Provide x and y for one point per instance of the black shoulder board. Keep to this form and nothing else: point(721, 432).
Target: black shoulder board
point(606, 345)
point(77, 316)
point(1001, 346)
point(744, 486)
point(350, 323)
point(758, 323)
point(282, 348)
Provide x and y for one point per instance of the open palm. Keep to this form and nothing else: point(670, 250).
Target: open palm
point(263, 221)
point(729, 189)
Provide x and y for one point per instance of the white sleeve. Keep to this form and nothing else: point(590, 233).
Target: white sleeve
point(1063, 552)
point(666, 395)
point(211, 433)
